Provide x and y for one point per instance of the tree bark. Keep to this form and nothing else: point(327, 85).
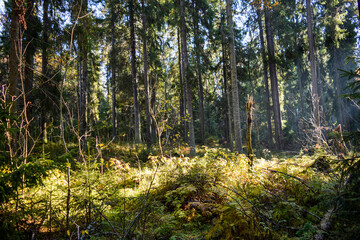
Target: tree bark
point(30, 48)
point(182, 91)
point(299, 72)
point(83, 40)
point(191, 140)
point(133, 74)
point(17, 14)
point(314, 79)
point(14, 58)
point(338, 64)
point(199, 71)
point(266, 81)
point(226, 88)
point(273, 79)
point(146, 80)
point(249, 109)
point(44, 66)
point(113, 71)
point(234, 85)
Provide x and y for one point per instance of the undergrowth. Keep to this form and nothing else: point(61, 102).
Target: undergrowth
point(133, 193)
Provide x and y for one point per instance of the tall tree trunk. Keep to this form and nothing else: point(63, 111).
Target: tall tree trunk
point(17, 12)
point(14, 58)
point(338, 64)
point(199, 71)
point(44, 66)
point(133, 74)
point(299, 72)
point(273, 79)
point(314, 79)
point(265, 79)
point(30, 35)
point(234, 85)
point(182, 91)
point(226, 87)
point(187, 79)
point(146, 79)
point(299, 67)
point(83, 40)
point(113, 71)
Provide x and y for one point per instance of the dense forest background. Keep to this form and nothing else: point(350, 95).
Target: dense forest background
point(184, 119)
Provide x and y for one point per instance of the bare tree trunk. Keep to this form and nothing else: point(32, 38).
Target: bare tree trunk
point(338, 64)
point(187, 79)
point(113, 72)
point(84, 77)
point(146, 80)
point(226, 88)
point(266, 81)
point(44, 66)
point(273, 78)
point(30, 35)
point(133, 74)
point(14, 60)
point(299, 72)
point(182, 91)
point(314, 79)
point(199, 71)
point(234, 85)
point(249, 110)
point(17, 14)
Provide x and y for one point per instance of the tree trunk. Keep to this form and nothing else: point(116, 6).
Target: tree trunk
point(234, 85)
point(314, 80)
point(133, 74)
point(14, 58)
point(44, 66)
point(83, 40)
point(299, 72)
point(338, 64)
point(226, 88)
point(30, 35)
point(191, 141)
point(146, 80)
point(249, 108)
point(199, 71)
point(113, 71)
point(14, 66)
point(182, 91)
point(273, 79)
point(266, 81)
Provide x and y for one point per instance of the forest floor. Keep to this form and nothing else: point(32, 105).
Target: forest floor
point(124, 192)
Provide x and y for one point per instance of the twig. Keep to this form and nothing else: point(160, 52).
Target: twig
point(116, 233)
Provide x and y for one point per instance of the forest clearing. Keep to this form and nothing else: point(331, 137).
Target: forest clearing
point(179, 119)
